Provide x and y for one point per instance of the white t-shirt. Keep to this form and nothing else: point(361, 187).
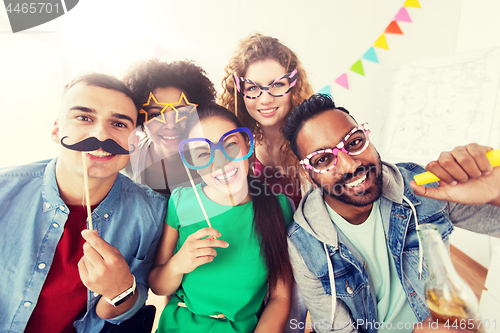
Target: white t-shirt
point(394, 311)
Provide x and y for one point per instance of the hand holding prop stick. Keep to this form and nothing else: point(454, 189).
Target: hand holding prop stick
point(428, 177)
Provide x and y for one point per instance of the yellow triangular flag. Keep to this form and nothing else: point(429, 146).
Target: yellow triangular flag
point(381, 42)
point(412, 3)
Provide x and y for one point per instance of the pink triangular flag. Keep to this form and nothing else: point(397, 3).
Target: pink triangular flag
point(342, 80)
point(402, 16)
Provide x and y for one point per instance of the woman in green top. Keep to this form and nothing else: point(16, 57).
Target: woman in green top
point(223, 290)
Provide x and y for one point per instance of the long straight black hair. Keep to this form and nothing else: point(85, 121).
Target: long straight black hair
point(268, 219)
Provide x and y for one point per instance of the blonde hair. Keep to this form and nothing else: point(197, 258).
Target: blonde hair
point(258, 47)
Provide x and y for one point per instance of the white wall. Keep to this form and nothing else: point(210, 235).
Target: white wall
point(328, 35)
point(478, 29)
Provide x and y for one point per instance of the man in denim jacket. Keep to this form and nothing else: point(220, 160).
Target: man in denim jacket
point(57, 276)
point(354, 233)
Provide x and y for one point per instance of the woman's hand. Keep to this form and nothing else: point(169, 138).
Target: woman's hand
point(197, 250)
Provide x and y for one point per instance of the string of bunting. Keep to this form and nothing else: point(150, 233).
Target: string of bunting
point(381, 42)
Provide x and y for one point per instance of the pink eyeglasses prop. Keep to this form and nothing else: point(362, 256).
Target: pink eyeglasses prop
point(354, 143)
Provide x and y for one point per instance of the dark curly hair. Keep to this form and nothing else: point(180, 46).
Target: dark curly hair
point(310, 108)
point(146, 76)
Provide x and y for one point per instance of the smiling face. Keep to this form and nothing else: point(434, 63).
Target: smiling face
point(267, 110)
point(92, 111)
point(224, 178)
point(167, 133)
point(355, 180)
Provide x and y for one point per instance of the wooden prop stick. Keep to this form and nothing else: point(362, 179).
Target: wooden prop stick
point(197, 196)
point(235, 98)
point(228, 189)
point(86, 187)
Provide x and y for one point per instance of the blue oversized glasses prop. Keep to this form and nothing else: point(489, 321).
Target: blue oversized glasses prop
point(228, 151)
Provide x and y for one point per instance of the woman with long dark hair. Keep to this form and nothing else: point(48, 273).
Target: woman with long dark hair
point(219, 275)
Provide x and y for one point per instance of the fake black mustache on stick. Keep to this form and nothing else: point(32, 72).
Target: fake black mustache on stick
point(93, 143)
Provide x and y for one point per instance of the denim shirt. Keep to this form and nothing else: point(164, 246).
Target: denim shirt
point(353, 285)
point(32, 217)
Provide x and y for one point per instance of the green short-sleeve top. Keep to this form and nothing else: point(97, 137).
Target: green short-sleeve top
point(235, 282)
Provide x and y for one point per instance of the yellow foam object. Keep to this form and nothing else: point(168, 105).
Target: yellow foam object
point(428, 177)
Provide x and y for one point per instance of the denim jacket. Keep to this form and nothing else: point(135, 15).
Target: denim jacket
point(313, 236)
point(32, 217)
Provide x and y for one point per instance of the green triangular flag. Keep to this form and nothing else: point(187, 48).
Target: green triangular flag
point(358, 67)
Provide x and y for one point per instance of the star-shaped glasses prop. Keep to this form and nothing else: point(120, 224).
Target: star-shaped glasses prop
point(182, 109)
point(158, 139)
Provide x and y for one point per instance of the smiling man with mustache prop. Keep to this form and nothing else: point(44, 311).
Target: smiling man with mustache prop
point(109, 147)
point(56, 275)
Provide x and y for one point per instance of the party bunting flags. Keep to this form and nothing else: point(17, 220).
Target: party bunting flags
point(393, 28)
point(342, 80)
point(371, 55)
point(412, 3)
point(381, 42)
point(325, 90)
point(358, 68)
point(402, 16)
